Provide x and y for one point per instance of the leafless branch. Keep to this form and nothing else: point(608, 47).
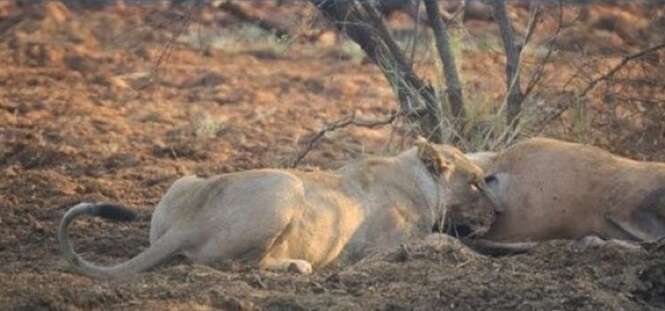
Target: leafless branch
point(539, 71)
point(170, 45)
point(605, 77)
point(360, 20)
point(624, 61)
point(384, 34)
point(454, 88)
point(514, 96)
point(642, 100)
point(416, 30)
point(349, 120)
point(534, 15)
point(513, 89)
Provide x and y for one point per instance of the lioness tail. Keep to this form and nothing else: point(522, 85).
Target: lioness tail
point(166, 246)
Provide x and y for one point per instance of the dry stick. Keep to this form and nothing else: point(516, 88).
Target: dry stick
point(454, 88)
point(416, 30)
point(513, 83)
point(405, 69)
point(618, 67)
point(457, 136)
point(432, 105)
point(359, 20)
point(514, 92)
point(639, 99)
point(384, 34)
point(608, 75)
point(169, 46)
point(580, 74)
point(538, 73)
point(344, 122)
point(531, 26)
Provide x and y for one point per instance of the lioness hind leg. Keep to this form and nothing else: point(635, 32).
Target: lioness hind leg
point(286, 265)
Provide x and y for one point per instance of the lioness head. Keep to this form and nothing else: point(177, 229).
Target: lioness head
point(461, 181)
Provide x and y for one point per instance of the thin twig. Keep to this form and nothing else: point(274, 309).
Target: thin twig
point(341, 123)
point(539, 72)
point(514, 95)
point(416, 30)
point(383, 33)
point(607, 76)
point(170, 45)
point(362, 23)
point(533, 21)
point(453, 84)
point(513, 128)
point(618, 67)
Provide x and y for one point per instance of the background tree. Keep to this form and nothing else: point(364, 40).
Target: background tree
point(362, 23)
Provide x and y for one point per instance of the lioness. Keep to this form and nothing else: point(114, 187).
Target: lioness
point(287, 220)
point(551, 189)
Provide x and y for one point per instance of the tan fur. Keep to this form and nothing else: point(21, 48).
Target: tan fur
point(287, 220)
point(552, 189)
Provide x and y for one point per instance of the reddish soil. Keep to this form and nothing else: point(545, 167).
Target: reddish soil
point(102, 105)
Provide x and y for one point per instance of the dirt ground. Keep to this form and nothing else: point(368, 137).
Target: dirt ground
point(102, 105)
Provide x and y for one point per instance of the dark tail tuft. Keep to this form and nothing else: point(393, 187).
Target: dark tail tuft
point(113, 212)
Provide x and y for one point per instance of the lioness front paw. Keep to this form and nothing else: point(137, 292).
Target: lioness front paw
point(300, 266)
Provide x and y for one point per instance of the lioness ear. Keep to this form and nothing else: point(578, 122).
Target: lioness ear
point(432, 159)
